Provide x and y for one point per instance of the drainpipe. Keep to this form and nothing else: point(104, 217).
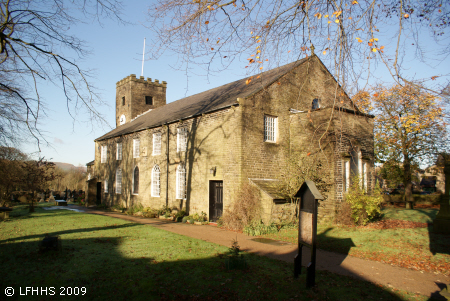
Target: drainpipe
point(167, 167)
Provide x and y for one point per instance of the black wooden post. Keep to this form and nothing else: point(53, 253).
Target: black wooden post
point(307, 230)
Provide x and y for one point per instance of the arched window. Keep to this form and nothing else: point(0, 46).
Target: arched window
point(136, 180)
point(119, 180)
point(156, 188)
point(181, 182)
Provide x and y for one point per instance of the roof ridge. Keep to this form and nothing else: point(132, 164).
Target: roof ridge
point(204, 102)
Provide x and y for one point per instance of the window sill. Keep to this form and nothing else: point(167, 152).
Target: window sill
point(271, 142)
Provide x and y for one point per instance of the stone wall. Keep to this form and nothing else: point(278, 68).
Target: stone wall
point(213, 141)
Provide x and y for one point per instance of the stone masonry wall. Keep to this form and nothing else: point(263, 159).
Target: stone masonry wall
point(213, 141)
point(345, 132)
point(295, 90)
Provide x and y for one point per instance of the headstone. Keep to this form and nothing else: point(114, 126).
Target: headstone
point(441, 224)
point(51, 198)
point(50, 243)
point(307, 229)
point(23, 199)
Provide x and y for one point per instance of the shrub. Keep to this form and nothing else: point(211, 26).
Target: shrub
point(180, 216)
point(364, 207)
point(165, 210)
point(344, 216)
point(135, 208)
point(235, 260)
point(256, 228)
point(246, 208)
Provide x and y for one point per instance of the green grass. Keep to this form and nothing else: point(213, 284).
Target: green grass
point(417, 248)
point(416, 215)
point(118, 260)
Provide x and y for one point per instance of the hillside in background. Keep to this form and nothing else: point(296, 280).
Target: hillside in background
point(68, 166)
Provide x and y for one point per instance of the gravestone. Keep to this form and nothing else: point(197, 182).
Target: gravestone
point(441, 224)
point(307, 229)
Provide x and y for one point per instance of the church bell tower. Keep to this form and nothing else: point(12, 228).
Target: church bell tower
point(135, 96)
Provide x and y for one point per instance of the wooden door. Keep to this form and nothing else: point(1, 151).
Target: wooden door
point(215, 200)
point(99, 193)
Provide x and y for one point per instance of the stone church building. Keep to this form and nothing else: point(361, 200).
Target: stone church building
point(195, 153)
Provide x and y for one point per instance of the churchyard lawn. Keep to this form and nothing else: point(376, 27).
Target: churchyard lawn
point(114, 259)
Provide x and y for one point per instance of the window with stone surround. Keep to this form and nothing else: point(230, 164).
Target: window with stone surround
point(136, 143)
point(156, 188)
point(346, 175)
point(156, 144)
point(365, 176)
point(119, 180)
point(181, 139)
point(181, 182)
point(149, 100)
point(118, 151)
point(105, 186)
point(104, 154)
point(136, 180)
point(270, 128)
point(123, 100)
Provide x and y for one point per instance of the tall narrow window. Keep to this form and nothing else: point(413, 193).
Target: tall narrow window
point(346, 175)
point(315, 104)
point(136, 148)
point(156, 144)
point(365, 176)
point(181, 182)
point(156, 188)
point(360, 170)
point(181, 139)
point(123, 100)
point(103, 155)
point(119, 151)
point(136, 180)
point(149, 100)
point(105, 186)
point(119, 180)
point(270, 128)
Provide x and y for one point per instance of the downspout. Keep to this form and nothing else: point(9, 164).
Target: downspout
point(167, 167)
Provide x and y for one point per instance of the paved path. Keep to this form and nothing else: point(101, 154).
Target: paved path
point(427, 284)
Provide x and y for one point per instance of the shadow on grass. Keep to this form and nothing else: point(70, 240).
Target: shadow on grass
point(341, 245)
point(71, 231)
point(439, 243)
point(109, 271)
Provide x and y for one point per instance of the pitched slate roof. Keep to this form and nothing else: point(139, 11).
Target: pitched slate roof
point(208, 101)
point(269, 186)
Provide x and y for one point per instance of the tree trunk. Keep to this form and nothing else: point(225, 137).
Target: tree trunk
point(408, 199)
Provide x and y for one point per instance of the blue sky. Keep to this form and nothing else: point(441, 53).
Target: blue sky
point(117, 53)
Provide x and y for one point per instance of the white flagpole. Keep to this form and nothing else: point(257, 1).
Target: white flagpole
point(143, 56)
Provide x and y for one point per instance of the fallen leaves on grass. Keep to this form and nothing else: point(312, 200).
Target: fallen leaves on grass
point(418, 262)
point(395, 224)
